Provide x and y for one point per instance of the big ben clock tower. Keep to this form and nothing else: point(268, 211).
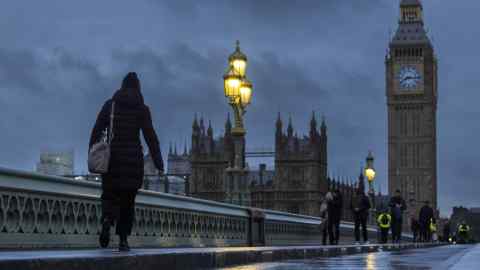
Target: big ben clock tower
point(411, 89)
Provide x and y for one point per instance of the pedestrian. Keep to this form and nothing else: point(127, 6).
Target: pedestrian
point(360, 206)
point(397, 207)
point(384, 222)
point(446, 232)
point(336, 214)
point(425, 215)
point(433, 229)
point(463, 233)
point(415, 228)
point(124, 178)
point(324, 214)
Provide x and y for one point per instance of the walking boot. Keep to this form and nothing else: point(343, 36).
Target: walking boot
point(104, 238)
point(123, 245)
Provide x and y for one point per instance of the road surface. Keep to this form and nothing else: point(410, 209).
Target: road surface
point(454, 257)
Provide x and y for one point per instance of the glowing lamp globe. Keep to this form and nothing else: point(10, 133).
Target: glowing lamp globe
point(245, 92)
point(232, 83)
point(370, 174)
point(238, 61)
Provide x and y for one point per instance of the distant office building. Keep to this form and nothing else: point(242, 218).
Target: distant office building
point(56, 163)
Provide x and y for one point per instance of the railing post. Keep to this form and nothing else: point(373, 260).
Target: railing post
point(256, 231)
point(167, 185)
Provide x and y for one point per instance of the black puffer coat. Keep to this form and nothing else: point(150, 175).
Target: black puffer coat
point(130, 116)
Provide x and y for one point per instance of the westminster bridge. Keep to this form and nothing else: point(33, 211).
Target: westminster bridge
point(57, 220)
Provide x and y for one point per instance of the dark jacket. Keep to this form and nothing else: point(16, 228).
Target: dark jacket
point(414, 226)
point(130, 116)
point(397, 212)
point(335, 207)
point(426, 213)
point(446, 231)
point(360, 205)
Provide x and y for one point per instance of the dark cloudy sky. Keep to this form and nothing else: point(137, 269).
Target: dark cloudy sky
point(60, 60)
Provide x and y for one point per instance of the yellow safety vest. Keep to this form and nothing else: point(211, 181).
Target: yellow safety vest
point(463, 228)
point(433, 226)
point(380, 219)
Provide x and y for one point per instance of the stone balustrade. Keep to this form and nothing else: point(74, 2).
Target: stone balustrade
point(39, 211)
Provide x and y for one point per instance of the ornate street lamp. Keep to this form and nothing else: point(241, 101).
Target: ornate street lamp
point(370, 174)
point(369, 170)
point(238, 89)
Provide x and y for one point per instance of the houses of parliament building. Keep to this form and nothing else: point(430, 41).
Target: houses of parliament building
point(297, 185)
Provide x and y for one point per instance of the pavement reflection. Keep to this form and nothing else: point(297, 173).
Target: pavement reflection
point(417, 259)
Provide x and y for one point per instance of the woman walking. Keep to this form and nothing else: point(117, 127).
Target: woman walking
point(125, 171)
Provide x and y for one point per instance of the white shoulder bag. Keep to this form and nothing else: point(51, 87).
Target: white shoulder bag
point(99, 154)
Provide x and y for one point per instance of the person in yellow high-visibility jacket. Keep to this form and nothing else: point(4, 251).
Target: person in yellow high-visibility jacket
point(433, 229)
point(463, 233)
point(384, 221)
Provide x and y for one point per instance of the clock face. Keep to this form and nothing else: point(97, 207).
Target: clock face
point(409, 78)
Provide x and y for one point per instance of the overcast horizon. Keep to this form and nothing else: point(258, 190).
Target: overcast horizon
point(60, 60)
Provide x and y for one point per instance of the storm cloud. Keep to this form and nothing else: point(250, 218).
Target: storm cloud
point(60, 60)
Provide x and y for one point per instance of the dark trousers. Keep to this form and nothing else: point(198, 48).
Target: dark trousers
point(336, 230)
point(332, 231)
point(360, 220)
point(425, 233)
point(396, 230)
point(328, 229)
point(415, 235)
point(324, 234)
point(384, 235)
point(118, 205)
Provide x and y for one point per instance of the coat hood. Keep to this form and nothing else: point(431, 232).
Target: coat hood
point(130, 93)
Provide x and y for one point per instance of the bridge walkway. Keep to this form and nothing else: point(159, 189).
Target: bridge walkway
point(177, 258)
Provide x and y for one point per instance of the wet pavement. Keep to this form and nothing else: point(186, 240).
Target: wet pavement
point(455, 257)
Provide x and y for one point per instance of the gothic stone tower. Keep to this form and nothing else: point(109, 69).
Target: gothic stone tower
point(300, 169)
point(411, 89)
point(209, 159)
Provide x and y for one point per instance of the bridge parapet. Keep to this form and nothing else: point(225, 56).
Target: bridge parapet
point(39, 211)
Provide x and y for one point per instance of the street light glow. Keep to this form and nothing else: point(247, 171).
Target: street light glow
point(239, 66)
point(232, 83)
point(370, 173)
point(245, 92)
point(238, 61)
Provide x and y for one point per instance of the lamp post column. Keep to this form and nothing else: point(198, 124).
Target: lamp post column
point(238, 90)
point(370, 173)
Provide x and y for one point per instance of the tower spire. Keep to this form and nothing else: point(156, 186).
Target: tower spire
point(313, 126)
point(290, 127)
point(195, 122)
point(279, 124)
point(210, 130)
point(323, 126)
point(202, 125)
point(228, 124)
point(185, 148)
point(410, 29)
